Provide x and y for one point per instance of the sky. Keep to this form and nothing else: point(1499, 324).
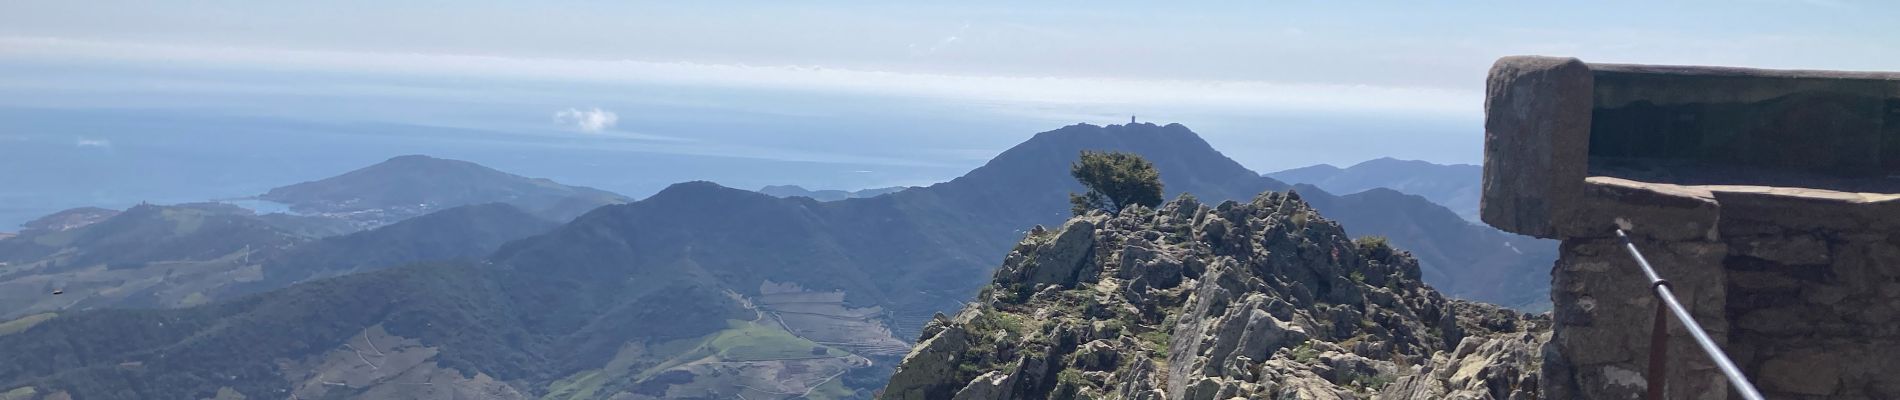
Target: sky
point(819, 93)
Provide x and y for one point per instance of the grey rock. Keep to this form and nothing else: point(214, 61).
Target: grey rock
point(1245, 300)
point(927, 372)
point(1062, 260)
point(993, 385)
point(1098, 355)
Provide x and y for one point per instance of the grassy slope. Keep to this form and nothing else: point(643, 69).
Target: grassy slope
point(740, 341)
point(22, 323)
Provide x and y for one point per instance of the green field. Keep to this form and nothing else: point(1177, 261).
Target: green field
point(15, 326)
point(579, 386)
point(740, 341)
point(833, 389)
point(20, 393)
point(745, 341)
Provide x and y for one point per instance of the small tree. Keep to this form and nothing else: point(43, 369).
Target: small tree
point(1115, 180)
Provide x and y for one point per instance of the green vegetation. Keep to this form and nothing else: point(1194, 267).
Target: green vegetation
point(57, 239)
point(466, 231)
point(1072, 377)
point(832, 389)
point(1305, 353)
point(1366, 383)
point(1112, 328)
point(193, 299)
point(1158, 340)
point(682, 351)
point(19, 393)
point(579, 386)
point(1115, 180)
point(184, 220)
point(740, 341)
point(994, 320)
point(1374, 247)
point(746, 341)
point(202, 349)
point(22, 323)
point(996, 333)
point(402, 182)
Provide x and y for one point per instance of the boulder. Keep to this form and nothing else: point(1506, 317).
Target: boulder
point(994, 385)
point(1098, 355)
point(929, 370)
point(1059, 262)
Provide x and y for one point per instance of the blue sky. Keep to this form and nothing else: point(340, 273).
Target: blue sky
point(913, 93)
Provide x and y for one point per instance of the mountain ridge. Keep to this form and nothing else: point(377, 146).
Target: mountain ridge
point(827, 194)
point(1455, 186)
point(1262, 299)
point(153, 256)
point(410, 185)
point(572, 309)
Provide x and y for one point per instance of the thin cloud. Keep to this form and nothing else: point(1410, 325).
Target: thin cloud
point(1245, 95)
point(100, 143)
point(941, 43)
point(592, 120)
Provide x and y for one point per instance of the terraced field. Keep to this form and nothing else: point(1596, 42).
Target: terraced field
point(797, 346)
point(823, 317)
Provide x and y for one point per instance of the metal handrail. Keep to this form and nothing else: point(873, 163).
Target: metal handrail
point(1659, 349)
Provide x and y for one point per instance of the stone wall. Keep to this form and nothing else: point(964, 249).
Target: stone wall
point(1797, 278)
point(1813, 294)
point(1602, 307)
point(1801, 287)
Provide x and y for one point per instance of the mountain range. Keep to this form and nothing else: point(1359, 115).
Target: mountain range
point(697, 291)
point(189, 254)
point(1455, 186)
point(826, 194)
point(154, 256)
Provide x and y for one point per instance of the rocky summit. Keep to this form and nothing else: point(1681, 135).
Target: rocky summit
point(1263, 299)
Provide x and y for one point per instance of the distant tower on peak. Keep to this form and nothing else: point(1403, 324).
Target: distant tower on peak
point(1131, 119)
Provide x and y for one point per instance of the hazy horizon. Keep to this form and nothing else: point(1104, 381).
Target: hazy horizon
point(185, 101)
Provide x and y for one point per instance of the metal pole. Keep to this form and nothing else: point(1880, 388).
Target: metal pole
point(1661, 287)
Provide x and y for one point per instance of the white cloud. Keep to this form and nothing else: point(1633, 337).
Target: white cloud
point(84, 142)
point(592, 120)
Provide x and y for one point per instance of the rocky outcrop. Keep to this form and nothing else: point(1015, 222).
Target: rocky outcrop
point(936, 359)
point(1487, 367)
point(1264, 299)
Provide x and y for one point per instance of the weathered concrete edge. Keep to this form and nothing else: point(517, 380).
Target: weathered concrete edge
point(1535, 145)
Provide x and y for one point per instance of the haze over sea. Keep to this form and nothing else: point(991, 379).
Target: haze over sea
point(110, 102)
point(193, 134)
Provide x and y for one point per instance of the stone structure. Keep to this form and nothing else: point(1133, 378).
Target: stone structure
point(1769, 199)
